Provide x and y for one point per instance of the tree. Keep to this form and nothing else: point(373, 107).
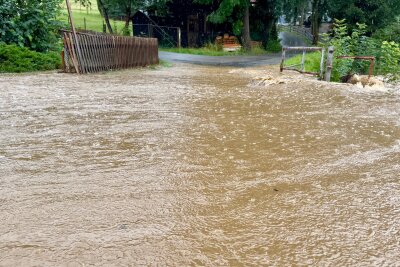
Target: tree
point(293, 9)
point(232, 8)
point(32, 24)
point(264, 17)
point(316, 18)
point(376, 14)
point(122, 8)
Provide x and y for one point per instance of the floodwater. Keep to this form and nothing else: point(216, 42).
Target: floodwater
point(191, 166)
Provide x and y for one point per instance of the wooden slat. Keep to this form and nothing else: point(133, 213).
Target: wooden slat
point(107, 52)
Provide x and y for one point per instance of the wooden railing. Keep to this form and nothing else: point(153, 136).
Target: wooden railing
point(88, 52)
point(306, 32)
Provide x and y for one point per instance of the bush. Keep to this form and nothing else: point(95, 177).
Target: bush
point(358, 44)
point(274, 46)
point(389, 33)
point(30, 23)
point(389, 62)
point(387, 54)
point(20, 59)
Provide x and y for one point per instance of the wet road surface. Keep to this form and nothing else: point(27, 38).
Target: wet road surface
point(190, 166)
point(287, 39)
point(291, 39)
point(235, 61)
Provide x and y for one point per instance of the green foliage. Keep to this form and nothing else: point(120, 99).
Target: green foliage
point(126, 31)
point(390, 59)
point(20, 59)
point(375, 14)
point(387, 54)
point(30, 23)
point(274, 46)
point(231, 11)
point(311, 63)
point(356, 44)
point(225, 9)
point(94, 21)
point(389, 33)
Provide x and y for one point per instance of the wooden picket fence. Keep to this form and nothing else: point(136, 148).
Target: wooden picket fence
point(91, 52)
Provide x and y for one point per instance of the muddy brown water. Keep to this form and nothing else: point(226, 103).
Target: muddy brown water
point(191, 166)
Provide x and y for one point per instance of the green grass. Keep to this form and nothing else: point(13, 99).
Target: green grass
point(94, 21)
point(160, 65)
point(312, 61)
point(206, 51)
point(20, 59)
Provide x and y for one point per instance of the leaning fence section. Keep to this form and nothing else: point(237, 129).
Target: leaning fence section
point(88, 53)
point(302, 64)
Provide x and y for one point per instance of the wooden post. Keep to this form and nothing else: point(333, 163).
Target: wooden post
point(371, 68)
point(74, 33)
point(179, 37)
point(283, 58)
point(151, 30)
point(321, 67)
point(303, 58)
point(329, 62)
point(63, 60)
point(84, 23)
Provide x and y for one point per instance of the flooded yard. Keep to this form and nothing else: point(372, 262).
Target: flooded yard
point(190, 165)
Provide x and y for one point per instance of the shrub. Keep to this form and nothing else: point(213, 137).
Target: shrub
point(358, 44)
point(20, 59)
point(389, 62)
point(389, 33)
point(30, 23)
point(274, 46)
point(387, 54)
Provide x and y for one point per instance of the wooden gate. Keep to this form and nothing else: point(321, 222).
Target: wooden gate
point(90, 52)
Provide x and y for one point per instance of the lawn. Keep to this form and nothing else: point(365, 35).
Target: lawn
point(94, 21)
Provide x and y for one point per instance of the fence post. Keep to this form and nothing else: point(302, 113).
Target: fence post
point(76, 41)
point(321, 67)
point(329, 62)
point(84, 23)
point(283, 58)
point(179, 37)
point(303, 58)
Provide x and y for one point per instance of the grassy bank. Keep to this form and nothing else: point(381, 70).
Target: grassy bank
point(311, 63)
point(20, 59)
point(94, 21)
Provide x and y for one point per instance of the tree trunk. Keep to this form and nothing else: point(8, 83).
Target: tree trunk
point(105, 15)
point(315, 21)
point(246, 29)
point(303, 14)
point(127, 20)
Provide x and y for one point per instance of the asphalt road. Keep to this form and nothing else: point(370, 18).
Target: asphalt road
point(237, 61)
point(287, 39)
